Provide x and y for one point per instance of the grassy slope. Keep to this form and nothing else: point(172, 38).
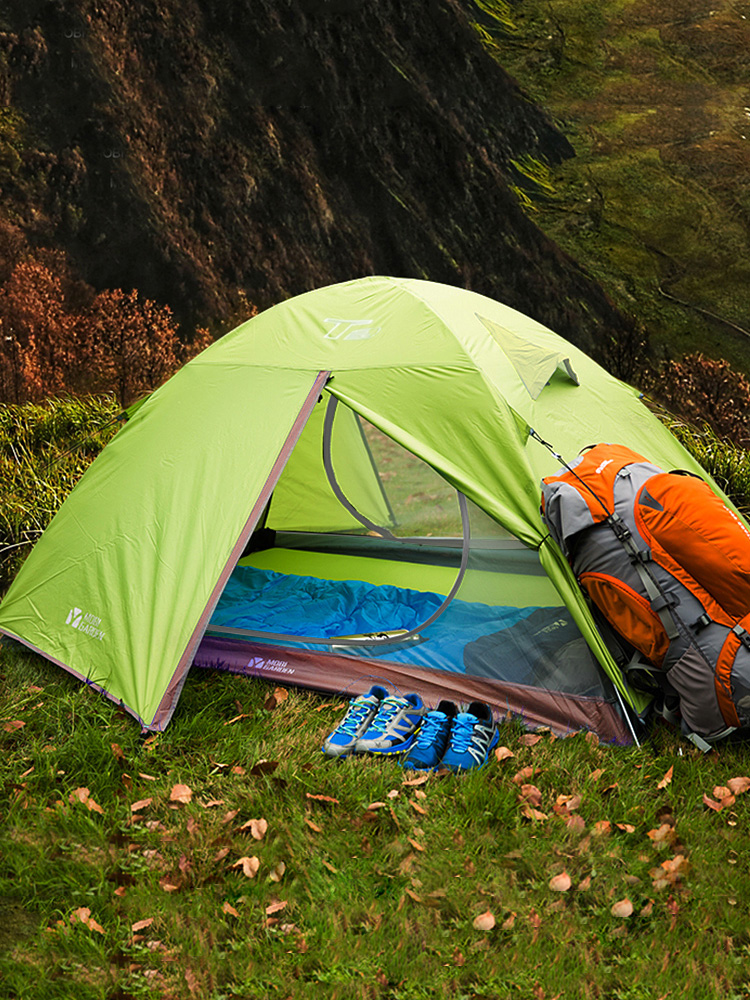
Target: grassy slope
point(654, 98)
point(380, 901)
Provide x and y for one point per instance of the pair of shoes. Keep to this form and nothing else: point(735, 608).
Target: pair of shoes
point(457, 741)
point(377, 722)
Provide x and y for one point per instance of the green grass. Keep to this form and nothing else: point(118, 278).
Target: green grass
point(378, 903)
point(44, 450)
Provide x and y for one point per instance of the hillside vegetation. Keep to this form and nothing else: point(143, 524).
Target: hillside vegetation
point(654, 97)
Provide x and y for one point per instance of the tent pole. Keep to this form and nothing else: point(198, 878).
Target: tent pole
point(627, 715)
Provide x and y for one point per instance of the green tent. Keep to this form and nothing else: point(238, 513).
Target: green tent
point(128, 587)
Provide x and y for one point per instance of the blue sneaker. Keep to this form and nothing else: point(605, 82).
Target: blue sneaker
point(472, 737)
point(355, 723)
point(432, 740)
point(394, 727)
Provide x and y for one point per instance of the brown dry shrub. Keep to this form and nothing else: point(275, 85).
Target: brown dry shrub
point(701, 390)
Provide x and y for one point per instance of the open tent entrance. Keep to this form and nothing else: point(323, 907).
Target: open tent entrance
point(368, 567)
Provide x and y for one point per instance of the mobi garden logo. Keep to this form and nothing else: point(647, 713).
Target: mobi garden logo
point(350, 329)
point(85, 622)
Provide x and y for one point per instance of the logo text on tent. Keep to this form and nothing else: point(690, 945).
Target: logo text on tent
point(350, 329)
point(85, 622)
point(260, 663)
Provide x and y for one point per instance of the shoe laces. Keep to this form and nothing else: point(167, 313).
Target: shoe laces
point(433, 723)
point(357, 711)
point(388, 708)
point(463, 732)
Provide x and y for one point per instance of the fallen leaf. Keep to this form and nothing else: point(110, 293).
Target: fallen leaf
point(666, 779)
point(280, 694)
point(192, 980)
point(181, 793)
point(625, 827)
point(228, 908)
point(248, 865)
point(140, 925)
point(94, 926)
point(167, 885)
point(337, 705)
point(257, 828)
point(275, 907)
point(530, 739)
point(484, 922)
point(221, 854)
point(738, 785)
point(212, 802)
point(313, 826)
point(530, 813)
point(503, 753)
point(596, 774)
point(322, 798)
point(623, 908)
point(507, 924)
point(413, 782)
point(712, 803)
point(393, 794)
point(417, 808)
point(117, 751)
point(374, 806)
point(140, 804)
point(238, 769)
point(526, 772)
point(12, 726)
point(329, 866)
point(661, 834)
point(277, 872)
point(415, 844)
point(602, 827)
point(263, 767)
point(147, 777)
point(229, 816)
point(560, 883)
point(82, 795)
point(575, 822)
point(722, 792)
point(531, 795)
point(584, 884)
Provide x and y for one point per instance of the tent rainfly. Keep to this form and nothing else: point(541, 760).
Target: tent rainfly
point(257, 514)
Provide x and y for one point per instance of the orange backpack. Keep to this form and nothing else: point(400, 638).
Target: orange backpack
point(667, 564)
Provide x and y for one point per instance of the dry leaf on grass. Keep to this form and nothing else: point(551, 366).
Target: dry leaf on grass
point(666, 779)
point(275, 907)
point(561, 882)
point(12, 725)
point(313, 826)
point(322, 798)
point(738, 785)
point(82, 795)
point(228, 908)
point(623, 908)
point(140, 804)
point(257, 828)
point(530, 739)
point(140, 925)
point(484, 922)
point(278, 872)
point(248, 865)
point(181, 793)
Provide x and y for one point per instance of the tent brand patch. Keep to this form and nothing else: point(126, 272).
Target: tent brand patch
point(351, 329)
point(85, 622)
point(261, 663)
